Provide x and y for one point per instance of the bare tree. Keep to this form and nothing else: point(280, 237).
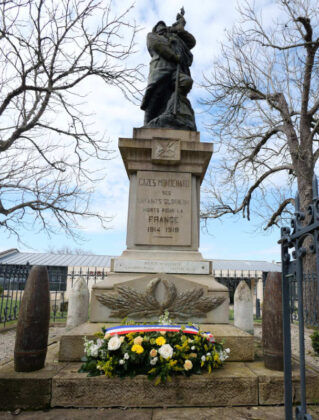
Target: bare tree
point(65, 249)
point(48, 149)
point(264, 101)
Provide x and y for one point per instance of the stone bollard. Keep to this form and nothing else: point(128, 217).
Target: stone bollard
point(243, 308)
point(272, 323)
point(33, 322)
point(78, 308)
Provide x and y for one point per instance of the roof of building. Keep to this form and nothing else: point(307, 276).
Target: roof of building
point(245, 265)
point(15, 257)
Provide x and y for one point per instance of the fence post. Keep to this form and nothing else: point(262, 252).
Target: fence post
point(285, 258)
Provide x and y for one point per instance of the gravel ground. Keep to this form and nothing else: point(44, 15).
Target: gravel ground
point(311, 358)
point(7, 340)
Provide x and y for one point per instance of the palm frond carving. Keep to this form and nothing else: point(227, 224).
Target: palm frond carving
point(127, 301)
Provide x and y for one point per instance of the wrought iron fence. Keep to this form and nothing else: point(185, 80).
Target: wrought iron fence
point(14, 277)
point(231, 279)
point(300, 290)
point(310, 298)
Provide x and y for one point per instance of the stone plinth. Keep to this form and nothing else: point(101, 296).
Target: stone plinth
point(240, 342)
point(174, 155)
point(149, 133)
point(144, 297)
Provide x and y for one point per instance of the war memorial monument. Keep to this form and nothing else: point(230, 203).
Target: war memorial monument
point(161, 270)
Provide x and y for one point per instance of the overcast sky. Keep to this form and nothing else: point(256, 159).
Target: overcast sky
point(234, 238)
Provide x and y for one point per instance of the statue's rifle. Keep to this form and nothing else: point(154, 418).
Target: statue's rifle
point(176, 89)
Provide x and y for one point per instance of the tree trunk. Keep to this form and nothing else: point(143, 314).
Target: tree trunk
point(310, 283)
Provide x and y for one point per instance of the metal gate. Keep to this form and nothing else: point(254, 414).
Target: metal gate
point(298, 304)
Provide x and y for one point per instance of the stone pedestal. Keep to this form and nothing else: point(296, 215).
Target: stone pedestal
point(162, 269)
point(165, 168)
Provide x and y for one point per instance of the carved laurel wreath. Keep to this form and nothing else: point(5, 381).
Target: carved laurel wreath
point(130, 302)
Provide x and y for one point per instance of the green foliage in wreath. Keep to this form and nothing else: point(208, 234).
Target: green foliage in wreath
point(159, 355)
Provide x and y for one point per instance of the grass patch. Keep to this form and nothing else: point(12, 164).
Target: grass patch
point(231, 314)
point(9, 309)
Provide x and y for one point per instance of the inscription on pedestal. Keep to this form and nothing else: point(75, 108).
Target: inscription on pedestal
point(163, 208)
point(122, 265)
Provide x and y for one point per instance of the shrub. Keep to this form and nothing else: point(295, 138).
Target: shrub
point(315, 341)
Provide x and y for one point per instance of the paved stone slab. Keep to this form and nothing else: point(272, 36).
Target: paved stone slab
point(234, 384)
point(126, 265)
point(28, 390)
point(240, 343)
point(271, 384)
point(227, 413)
point(216, 413)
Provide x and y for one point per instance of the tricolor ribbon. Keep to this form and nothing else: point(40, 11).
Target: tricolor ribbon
point(126, 329)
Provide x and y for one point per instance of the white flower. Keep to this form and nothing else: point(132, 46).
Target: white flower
point(121, 362)
point(99, 342)
point(94, 350)
point(223, 355)
point(114, 343)
point(166, 351)
point(193, 348)
point(154, 361)
point(208, 354)
point(203, 358)
point(227, 351)
point(126, 356)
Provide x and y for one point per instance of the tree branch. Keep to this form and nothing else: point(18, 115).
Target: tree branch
point(274, 218)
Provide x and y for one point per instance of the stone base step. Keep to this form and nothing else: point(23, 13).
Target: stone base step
point(60, 385)
point(240, 343)
point(234, 384)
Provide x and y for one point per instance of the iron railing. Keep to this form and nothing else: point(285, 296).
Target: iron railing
point(310, 298)
point(14, 277)
point(231, 279)
point(300, 291)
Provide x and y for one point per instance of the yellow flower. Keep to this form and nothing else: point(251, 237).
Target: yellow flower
point(188, 365)
point(107, 336)
point(193, 355)
point(138, 340)
point(160, 341)
point(137, 349)
point(153, 353)
point(216, 357)
point(172, 362)
point(130, 337)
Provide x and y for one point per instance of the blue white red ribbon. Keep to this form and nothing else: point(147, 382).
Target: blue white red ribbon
point(126, 329)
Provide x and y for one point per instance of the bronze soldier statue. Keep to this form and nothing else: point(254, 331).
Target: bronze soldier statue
point(165, 101)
